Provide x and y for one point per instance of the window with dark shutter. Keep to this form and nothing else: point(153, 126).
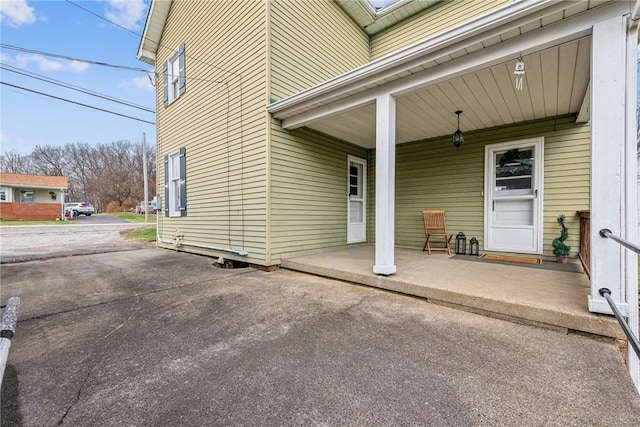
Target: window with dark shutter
point(175, 181)
point(174, 76)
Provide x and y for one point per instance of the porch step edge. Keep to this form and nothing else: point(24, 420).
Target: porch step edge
point(593, 324)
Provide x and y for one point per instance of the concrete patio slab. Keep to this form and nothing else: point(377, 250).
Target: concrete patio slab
point(548, 297)
point(161, 338)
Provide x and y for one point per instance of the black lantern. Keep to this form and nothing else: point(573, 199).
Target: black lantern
point(458, 139)
point(473, 246)
point(461, 244)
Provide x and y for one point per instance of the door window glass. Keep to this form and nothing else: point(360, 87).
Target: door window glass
point(514, 169)
point(355, 179)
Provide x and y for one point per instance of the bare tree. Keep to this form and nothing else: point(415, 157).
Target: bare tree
point(12, 162)
point(51, 160)
point(107, 173)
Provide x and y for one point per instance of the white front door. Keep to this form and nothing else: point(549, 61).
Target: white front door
point(356, 200)
point(513, 196)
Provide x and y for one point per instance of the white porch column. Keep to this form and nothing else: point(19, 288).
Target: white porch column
point(385, 184)
point(608, 180)
point(633, 362)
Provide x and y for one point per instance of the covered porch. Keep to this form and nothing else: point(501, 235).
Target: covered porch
point(548, 295)
point(579, 60)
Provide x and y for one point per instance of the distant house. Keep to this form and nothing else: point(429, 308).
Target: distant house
point(31, 197)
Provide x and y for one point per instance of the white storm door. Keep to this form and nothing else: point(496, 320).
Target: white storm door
point(513, 196)
point(356, 200)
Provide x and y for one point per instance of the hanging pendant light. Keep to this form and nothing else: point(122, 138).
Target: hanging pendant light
point(458, 138)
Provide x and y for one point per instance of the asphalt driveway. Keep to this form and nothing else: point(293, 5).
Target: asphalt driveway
point(86, 235)
point(162, 338)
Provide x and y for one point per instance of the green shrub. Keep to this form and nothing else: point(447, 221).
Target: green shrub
point(559, 247)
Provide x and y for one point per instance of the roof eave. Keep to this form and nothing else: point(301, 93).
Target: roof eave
point(152, 31)
point(493, 19)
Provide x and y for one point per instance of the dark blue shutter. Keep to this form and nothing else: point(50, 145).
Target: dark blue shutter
point(182, 81)
point(166, 185)
point(165, 77)
point(183, 182)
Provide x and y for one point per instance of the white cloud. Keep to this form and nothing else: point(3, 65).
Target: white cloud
point(126, 13)
point(142, 82)
point(16, 12)
point(76, 66)
point(44, 64)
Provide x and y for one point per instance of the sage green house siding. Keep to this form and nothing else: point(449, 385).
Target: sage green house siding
point(220, 120)
point(309, 192)
point(311, 42)
point(253, 186)
point(433, 175)
point(442, 16)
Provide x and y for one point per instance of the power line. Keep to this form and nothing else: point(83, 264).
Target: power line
point(77, 103)
point(223, 80)
point(73, 87)
point(70, 58)
point(146, 38)
point(124, 67)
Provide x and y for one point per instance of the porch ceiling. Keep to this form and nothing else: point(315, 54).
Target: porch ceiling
point(470, 68)
point(556, 83)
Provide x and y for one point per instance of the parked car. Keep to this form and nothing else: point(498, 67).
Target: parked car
point(79, 208)
point(151, 205)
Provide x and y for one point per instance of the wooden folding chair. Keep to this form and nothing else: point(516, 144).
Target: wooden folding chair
point(435, 226)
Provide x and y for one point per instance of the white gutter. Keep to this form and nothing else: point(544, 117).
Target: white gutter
point(152, 30)
point(491, 20)
point(30, 186)
point(143, 53)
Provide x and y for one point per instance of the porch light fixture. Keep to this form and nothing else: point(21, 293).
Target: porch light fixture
point(458, 139)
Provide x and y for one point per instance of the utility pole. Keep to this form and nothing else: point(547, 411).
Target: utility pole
point(146, 183)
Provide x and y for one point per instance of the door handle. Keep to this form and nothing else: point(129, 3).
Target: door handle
point(493, 205)
point(535, 193)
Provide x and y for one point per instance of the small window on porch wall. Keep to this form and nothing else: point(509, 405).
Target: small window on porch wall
point(354, 180)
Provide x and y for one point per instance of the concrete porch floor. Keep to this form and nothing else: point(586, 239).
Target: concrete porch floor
point(516, 292)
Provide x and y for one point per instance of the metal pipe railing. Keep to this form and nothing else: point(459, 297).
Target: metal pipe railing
point(606, 294)
point(7, 330)
point(606, 233)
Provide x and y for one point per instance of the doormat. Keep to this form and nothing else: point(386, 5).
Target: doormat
point(529, 263)
point(509, 258)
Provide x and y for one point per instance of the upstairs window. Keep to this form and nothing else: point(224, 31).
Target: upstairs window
point(173, 72)
point(175, 184)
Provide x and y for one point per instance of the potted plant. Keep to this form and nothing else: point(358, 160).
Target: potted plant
point(560, 249)
point(53, 195)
